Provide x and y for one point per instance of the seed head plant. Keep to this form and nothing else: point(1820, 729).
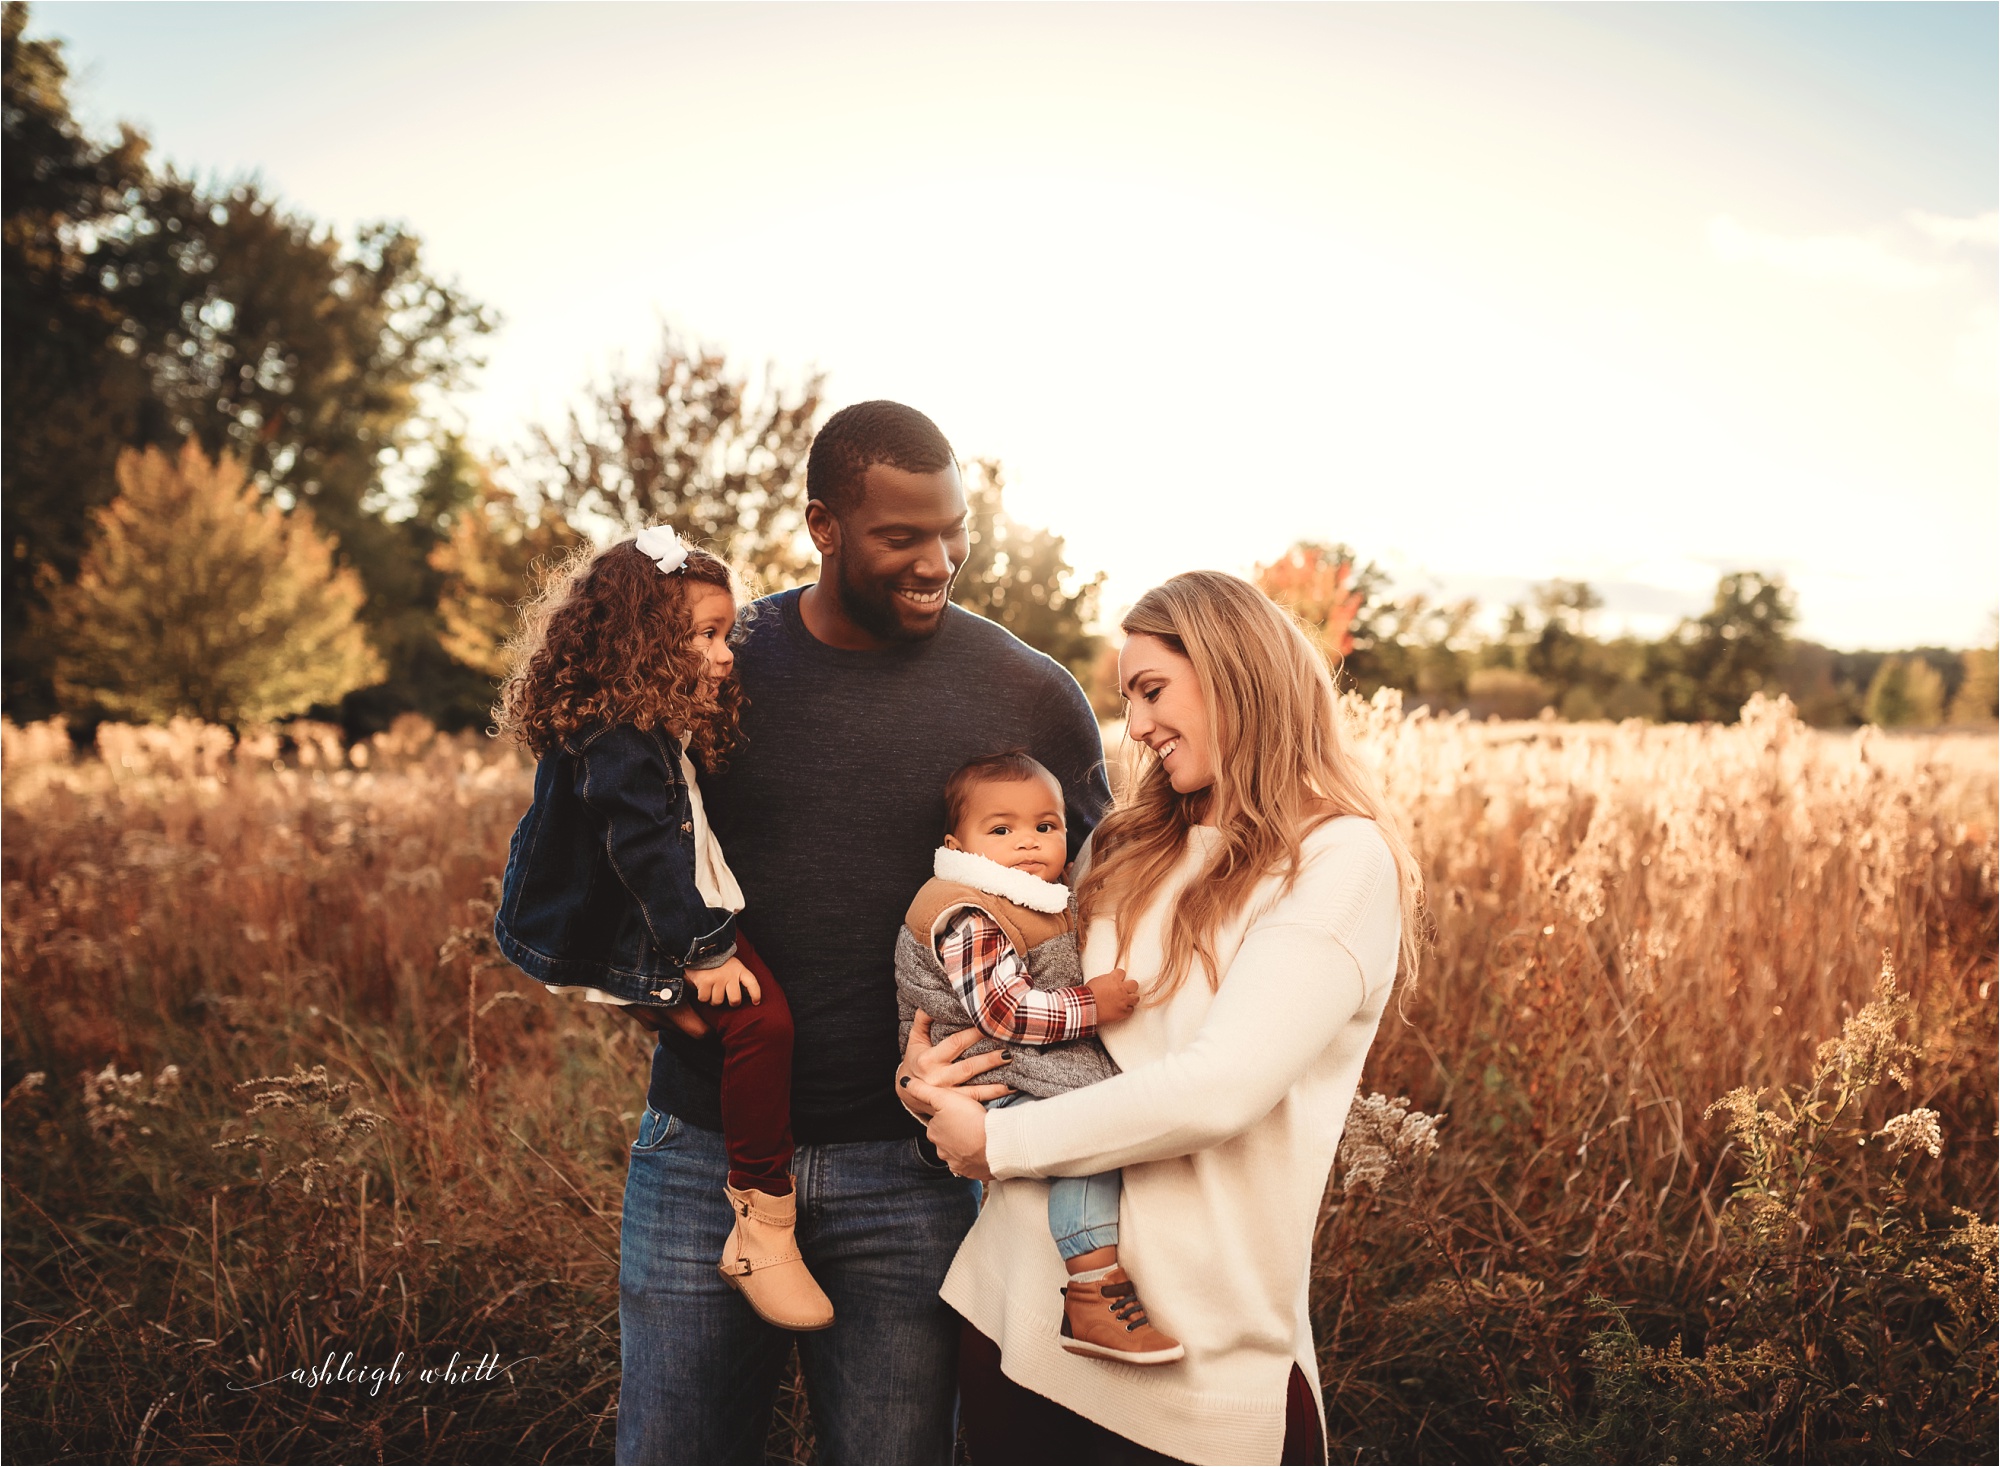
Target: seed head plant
point(1654, 1159)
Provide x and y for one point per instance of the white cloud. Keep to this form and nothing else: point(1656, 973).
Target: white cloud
point(1981, 229)
point(1829, 257)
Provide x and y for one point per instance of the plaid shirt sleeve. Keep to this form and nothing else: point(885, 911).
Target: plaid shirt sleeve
point(990, 980)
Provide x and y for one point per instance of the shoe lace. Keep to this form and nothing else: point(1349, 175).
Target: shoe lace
point(1123, 1301)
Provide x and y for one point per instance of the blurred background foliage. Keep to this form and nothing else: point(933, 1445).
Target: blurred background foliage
point(147, 310)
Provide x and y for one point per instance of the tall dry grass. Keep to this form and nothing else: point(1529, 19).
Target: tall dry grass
point(1632, 923)
point(268, 1095)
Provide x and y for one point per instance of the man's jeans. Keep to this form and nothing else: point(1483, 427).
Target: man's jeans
point(878, 1225)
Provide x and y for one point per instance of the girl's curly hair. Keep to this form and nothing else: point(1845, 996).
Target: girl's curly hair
point(608, 640)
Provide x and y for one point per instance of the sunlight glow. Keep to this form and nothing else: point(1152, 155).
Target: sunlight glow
point(1631, 293)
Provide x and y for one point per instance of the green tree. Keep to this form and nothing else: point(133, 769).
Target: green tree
point(1978, 700)
point(404, 615)
point(1550, 638)
point(143, 308)
point(66, 400)
point(1422, 646)
point(1506, 692)
point(1906, 693)
point(1560, 651)
point(1708, 667)
point(1812, 678)
point(1018, 575)
point(196, 598)
point(1976, 703)
point(692, 444)
point(488, 566)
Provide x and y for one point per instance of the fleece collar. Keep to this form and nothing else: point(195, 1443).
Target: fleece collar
point(991, 877)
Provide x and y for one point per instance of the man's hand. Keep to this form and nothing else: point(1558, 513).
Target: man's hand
point(728, 982)
point(1116, 996)
point(680, 1016)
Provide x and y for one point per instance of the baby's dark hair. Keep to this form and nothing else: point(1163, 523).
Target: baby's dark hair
point(1006, 767)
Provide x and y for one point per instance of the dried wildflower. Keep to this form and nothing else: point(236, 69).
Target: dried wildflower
point(1871, 1045)
point(1754, 1127)
point(301, 1087)
point(1916, 1131)
point(1384, 1137)
point(314, 1125)
point(112, 1102)
point(1963, 1269)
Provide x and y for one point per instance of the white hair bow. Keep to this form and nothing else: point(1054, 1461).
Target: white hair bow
point(659, 544)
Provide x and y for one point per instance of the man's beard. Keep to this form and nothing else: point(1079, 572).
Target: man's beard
point(874, 609)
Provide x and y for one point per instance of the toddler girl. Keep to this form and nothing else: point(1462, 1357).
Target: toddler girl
point(991, 942)
point(615, 887)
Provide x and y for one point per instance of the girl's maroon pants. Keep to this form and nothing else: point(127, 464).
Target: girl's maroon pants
point(1005, 1422)
point(756, 1081)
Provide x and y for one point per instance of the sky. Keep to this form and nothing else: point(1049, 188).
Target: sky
point(1633, 293)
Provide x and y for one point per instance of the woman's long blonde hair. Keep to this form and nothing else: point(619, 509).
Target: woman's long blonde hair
point(1281, 770)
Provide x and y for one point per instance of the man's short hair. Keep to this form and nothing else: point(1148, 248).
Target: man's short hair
point(1003, 768)
point(868, 433)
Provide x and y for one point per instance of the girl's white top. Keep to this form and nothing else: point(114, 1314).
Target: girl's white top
point(1225, 1120)
point(712, 876)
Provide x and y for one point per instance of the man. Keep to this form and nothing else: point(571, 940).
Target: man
point(864, 691)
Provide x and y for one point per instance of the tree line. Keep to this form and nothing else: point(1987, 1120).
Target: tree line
point(1545, 658)
point(233, 489)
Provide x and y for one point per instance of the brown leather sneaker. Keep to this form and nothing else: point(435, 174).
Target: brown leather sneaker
point(1104, 1318)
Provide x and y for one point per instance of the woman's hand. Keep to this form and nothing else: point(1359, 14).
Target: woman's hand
point(957, 1128)
point(942, 1067)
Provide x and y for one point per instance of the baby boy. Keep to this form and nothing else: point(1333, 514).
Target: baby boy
point(991, 942)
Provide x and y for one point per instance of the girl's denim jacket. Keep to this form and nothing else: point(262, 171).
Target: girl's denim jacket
point(600, 887)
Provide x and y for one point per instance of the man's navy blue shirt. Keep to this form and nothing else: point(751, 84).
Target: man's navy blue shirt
point(829, 815)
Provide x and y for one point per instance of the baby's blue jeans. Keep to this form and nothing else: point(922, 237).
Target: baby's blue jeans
point(1083, 1211)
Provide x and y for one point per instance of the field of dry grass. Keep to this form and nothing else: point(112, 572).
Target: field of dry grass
point(269, 1096)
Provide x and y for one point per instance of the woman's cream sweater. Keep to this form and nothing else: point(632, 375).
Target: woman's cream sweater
point(1225, 1121)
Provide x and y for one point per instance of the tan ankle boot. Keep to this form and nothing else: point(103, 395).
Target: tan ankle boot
point(1104, 1317)
point(761, 1259)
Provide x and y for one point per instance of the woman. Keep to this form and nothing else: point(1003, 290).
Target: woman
point(1254, 885)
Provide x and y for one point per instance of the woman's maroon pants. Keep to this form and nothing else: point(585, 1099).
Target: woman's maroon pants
point(1005, 1422)
point(756, 1081)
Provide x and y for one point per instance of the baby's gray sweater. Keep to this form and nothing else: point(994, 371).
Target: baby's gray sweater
point(1039, 1070)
